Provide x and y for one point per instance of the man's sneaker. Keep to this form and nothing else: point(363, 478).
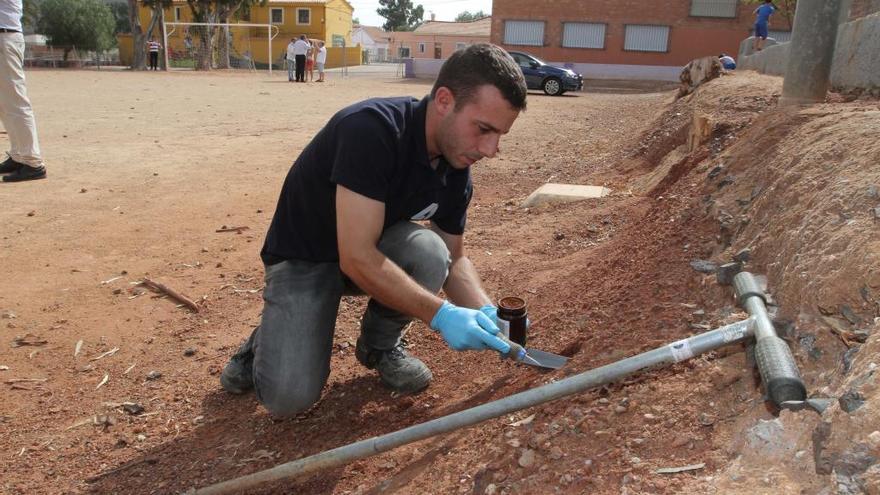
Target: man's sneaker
point(26, 172)
point(238, 375)
point(397, 369)
point(9, 166)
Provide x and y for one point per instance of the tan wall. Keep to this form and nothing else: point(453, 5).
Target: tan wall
point(126, 55)
point(447, 44)
point(334, 56)
point(337, 22)
point(689, 37)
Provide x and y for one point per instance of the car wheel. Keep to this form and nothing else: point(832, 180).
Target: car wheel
point(552, 86)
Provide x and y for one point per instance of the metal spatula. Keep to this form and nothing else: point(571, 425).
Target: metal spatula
point(533, 357)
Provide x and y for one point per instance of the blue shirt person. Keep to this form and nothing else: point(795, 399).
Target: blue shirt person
point(762, 20)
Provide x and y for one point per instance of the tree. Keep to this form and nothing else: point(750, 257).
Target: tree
point(83, 24)
point(31, 14)
point(400, 15)
point(120, 14)
point(467, 16)
point(786, 9)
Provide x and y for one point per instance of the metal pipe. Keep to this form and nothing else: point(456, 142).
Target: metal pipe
point(779, 372)
point(668, 354)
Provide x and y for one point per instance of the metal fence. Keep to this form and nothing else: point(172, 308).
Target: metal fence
point(42, 55)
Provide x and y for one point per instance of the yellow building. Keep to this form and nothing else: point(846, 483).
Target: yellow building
point(327, 20)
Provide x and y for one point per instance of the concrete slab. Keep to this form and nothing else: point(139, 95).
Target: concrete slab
point(564, 193)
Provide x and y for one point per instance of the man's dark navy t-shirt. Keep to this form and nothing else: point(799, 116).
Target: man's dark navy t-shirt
point(376, 148)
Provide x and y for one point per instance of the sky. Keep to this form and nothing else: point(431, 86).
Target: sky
point(445, 10)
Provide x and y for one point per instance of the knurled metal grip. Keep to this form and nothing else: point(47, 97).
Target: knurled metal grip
point(745, 285)
point(779, 371)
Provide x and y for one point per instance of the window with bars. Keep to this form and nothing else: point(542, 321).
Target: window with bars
point(714, 8)
point(277, 16)
point(527, 33)
point(645, 38)
point(303, 16)
point(583, 35)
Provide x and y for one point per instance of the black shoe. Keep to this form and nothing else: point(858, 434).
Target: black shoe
point(9, 166)
point(238, 375)
point(397, 369)
point(26, 172)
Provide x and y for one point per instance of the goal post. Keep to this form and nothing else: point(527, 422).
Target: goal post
point(213, 45)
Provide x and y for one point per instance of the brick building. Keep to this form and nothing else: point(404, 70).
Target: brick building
point(641, 39)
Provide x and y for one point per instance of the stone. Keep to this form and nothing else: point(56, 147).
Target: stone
point(876, 211)
point(704, 266)
point(715, 171)
point(537, 440)
point(725, 273)
point(527, 459)
point(851, 401)
point(848, 357)
point(730, 179)
point(556, 453)
point(154, 375)
point(850, 315)
point(743, 255)
point(874, 439)
point(491, 489)
point(873, 192)
point(191, 351)
point(563, 193)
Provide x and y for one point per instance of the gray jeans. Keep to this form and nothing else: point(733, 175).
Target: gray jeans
point(293, 344)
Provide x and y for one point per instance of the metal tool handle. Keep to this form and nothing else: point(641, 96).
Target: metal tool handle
point(516, 351)
point(779, 372)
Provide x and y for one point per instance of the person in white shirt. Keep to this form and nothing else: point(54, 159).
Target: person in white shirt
point(321, 59)
point(24, 161)
point(300, 48)
point(291, 60)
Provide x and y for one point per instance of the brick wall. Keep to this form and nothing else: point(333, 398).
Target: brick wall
point(689, 37)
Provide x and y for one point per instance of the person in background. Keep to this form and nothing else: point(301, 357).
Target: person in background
point(300, 48)
point(291, 60)
point(320, 60)
point(727, 61)
point(762, 22)
point(310, 61)
point(24, 161)
point(153, 46)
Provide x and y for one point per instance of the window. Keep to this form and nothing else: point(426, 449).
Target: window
point(459, 46)
point(642, 38)
point(176, 14)
point(303, 16)
point(714, 8)
point(583, 35)
point(529, 33)
point(421, 48)
point(523, 61)
point(337, 40)
point(779, 36)
point(403, 52)
point(277, 16)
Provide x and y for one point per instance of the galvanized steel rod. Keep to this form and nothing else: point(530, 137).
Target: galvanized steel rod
point(671, 353)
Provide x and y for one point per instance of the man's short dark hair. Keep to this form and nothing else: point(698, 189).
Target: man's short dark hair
point(480, 64)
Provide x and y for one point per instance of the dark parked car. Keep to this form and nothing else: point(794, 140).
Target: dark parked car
point(552, 80)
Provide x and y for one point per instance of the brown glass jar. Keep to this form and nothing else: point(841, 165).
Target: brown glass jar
point(512, 318)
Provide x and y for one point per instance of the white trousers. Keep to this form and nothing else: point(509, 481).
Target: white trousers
point(15, 107)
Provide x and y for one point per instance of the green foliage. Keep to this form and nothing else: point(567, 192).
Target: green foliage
point(120, 13)
point(401, 15)
point(468, 16)
point(31, 15)
point(85, 24)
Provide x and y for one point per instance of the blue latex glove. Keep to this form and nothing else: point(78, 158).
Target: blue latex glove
point(466, 329)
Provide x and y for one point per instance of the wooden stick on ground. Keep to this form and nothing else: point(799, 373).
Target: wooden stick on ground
point(171, 292)
point(123, 467)
point(232, 229)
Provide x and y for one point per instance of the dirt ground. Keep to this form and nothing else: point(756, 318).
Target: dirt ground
point(145, 168)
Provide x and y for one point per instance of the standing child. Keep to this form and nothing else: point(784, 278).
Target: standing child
point(153, 46)
point(310, 61)
point(762, 21)
point(320, 60)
